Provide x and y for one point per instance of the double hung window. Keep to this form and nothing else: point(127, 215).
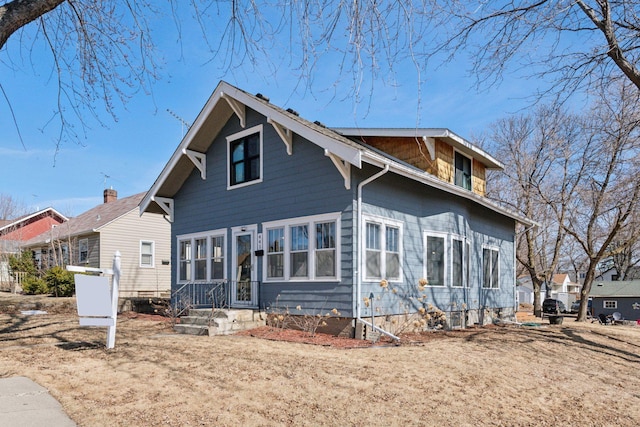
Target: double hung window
point(201, 257)
point(435, 259)
point(490, 268)
point(382, 240)
point(217, 257)
point(299, 250)
point(275, 252)
point(302, 248)
point(147, 253)
point(460, 262)
point(83, 250)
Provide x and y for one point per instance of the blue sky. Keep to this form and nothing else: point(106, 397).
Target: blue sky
point(128, 154)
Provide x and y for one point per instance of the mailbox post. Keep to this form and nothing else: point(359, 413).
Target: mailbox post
point(97, 299)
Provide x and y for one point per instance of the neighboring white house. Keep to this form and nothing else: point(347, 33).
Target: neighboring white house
point(562, 288)
point(524, 289)
point(92, 238)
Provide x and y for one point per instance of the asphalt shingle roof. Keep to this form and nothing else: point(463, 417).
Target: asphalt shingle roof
point(93, 219)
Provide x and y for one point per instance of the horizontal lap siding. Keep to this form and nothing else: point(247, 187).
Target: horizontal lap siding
point(124, 235)
point(313, 298)
point(305, 183)
point(422, 208)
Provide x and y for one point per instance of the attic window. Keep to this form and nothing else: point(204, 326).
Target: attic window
point(244, 152)
point(462, 165)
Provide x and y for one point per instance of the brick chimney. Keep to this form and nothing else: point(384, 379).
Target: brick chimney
point(110, 195)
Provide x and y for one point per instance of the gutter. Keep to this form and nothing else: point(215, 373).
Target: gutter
point(359, 256)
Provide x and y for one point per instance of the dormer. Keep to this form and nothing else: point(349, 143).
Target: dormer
point(438, 152)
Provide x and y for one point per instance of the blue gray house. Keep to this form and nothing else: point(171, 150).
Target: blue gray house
point(616, 296)
point(280, 212)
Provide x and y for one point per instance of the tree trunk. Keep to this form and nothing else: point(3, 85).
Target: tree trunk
point(585, 291)
point(537, 304)
point(18, 13)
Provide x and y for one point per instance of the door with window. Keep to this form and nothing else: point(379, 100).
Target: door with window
point(244, 289)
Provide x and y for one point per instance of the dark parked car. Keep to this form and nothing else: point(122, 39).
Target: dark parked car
point(553, 309)
point(553, 306)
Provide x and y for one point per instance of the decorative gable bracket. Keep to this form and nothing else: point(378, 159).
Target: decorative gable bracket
point(236, 106)
point(199, 160)
point(343, 167)
point(285, 134)
point(430, 143)
point(166, 204)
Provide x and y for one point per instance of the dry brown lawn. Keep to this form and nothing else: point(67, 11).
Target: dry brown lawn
point(574, 374)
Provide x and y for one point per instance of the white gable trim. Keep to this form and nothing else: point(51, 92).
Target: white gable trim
point(237, 108)
point(237, 101)
point(199, 160)
point(430, 143)
point(343, 167)
point(166, 204)
point(346, 152)
point(285, 134)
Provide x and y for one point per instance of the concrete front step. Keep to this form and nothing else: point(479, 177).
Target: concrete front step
point(240, 315)
point(191, 329)
point(219, 322)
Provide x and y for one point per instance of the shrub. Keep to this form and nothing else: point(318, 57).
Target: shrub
point(60, 282)
point(32, 285)
point(23, 262)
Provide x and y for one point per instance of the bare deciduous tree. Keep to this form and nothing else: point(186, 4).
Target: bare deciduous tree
point(103, 52)
point(606, 197)
point(536, 150)
point(570, 45)
point(10, 208)
point(578, 177)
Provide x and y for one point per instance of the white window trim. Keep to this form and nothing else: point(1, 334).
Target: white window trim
point(466, 259)
point(230, 139)
point(192, 237)
point(614, 303)
point(492, 248)
point(383, 222)
point(153, 254)
point(444, 236)
point(454, 167)
point(310, 221)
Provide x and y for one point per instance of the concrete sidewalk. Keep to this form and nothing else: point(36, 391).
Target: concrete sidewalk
point(24, 403)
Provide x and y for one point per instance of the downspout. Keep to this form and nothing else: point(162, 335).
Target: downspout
point(359, 255)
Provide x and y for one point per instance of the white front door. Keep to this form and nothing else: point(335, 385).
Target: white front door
point(244, 289)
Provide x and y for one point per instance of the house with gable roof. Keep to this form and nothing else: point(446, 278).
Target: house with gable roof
point(92, 238)
point(14, 232)
point(282, 212)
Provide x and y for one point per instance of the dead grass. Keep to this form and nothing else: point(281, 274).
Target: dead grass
point(574, 374)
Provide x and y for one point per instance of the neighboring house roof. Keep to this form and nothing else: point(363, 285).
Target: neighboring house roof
point(227, 100)
point(13, 223)
point(92, 220)
point(560, 278)
point(628, 288)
